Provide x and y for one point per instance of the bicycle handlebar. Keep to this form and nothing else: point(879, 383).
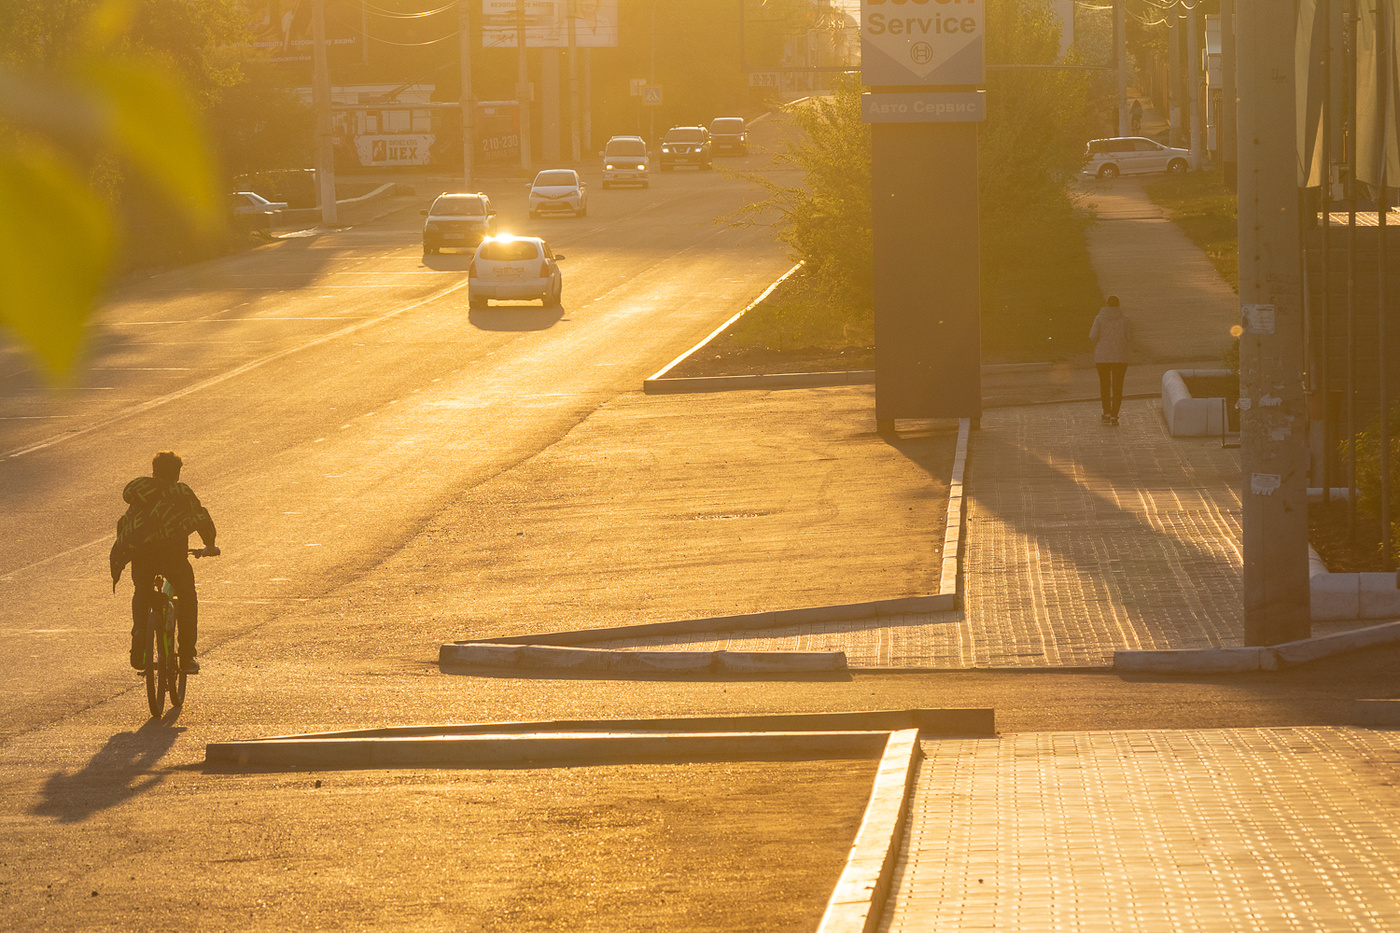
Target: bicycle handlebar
point(210, 551)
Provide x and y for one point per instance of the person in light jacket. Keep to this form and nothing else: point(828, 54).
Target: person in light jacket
point(1111, 334)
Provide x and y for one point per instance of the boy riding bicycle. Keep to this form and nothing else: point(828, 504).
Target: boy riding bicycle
point(153, 536)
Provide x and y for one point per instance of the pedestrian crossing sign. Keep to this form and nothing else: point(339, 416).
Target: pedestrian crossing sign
point(651, 96)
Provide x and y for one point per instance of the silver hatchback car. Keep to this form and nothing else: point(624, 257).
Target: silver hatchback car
point(519, 268)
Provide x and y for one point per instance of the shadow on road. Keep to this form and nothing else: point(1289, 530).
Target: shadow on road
point(121, 770)
point(515, 317)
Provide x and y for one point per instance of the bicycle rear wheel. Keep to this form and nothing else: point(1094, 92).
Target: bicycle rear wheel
point(155, 669)
point(176, 685)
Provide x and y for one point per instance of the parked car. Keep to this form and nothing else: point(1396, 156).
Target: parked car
point(458, 221)
point(685, 145)
point(558, 189)
point(253, 213)
point(1132, 155)
point(729, 134)
point(296, 186)
point(510, 267)
point(625, 161)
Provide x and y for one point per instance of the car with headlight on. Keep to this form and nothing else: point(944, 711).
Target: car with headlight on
point(514, 268)
point(685, 145)
point(557, 191)
point(457, 221)
point(729, 134)
point(1133, 155)
point(625, 161)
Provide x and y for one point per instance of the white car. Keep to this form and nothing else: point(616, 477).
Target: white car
point(1133, 155)
point(557, 190)
point(625, 161)
point(253, 213)
point(515, 268)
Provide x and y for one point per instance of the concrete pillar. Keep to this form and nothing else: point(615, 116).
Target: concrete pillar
point(551, 102)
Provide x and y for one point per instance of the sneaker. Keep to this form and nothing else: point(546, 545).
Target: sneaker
point(1112, 419)
point(138, 658)
point(189, 666)
point(1104, 417)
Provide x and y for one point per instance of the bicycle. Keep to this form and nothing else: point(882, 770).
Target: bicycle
point(164, 677)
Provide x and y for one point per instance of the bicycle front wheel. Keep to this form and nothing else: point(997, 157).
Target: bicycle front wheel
point(155, 669)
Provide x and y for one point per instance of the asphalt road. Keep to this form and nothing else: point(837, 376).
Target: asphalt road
point(329, 394)
point(339, 407)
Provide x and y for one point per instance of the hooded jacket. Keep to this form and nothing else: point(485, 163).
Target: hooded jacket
point(1111, 333)
point(158, 516)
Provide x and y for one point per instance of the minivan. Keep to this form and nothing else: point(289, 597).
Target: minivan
point(625, 161)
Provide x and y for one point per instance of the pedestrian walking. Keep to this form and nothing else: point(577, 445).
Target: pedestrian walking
point(1137, 117)
point(1111, 334)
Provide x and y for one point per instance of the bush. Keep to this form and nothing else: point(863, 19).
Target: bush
point(1368, 472)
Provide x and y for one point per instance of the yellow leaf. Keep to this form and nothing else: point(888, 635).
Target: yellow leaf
point(56, 247)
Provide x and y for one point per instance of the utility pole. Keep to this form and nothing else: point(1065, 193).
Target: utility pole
point(1228, 95)
point(464, 43)
point(321, 106)
point(1173, 77)
point(1193, 85)
point(575, 121)
point(1273, 453)
point(523, 91)
point(1120, 57)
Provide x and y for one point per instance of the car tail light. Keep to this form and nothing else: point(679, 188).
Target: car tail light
point(471, 269)
point(544, 269)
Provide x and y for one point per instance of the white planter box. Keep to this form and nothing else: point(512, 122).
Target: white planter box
point(1187, 416)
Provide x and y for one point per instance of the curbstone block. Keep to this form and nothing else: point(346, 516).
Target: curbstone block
point(1189, 660)
point(1187, 416)
point(1376, 713)
point(779, 661)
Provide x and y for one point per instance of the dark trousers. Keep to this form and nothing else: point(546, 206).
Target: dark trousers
point(174, 565)
point(1111, 386)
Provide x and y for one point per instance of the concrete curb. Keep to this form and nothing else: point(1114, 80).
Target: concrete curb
point(536, 656)
point(858, 899)
point(907, 605)
point(964, 721)
point(955, 527)
point(855, 377)
point(648, 384)
point(1376, 713)
point(1270, 658)
point(516, 750)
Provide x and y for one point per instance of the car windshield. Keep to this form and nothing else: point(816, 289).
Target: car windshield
point(509, 250)
point(555, 180)
point(683, 136)
point(458, 204)
point(627, 147)
point(727, 125)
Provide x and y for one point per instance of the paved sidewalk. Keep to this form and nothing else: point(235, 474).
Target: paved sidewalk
point(1233, 829)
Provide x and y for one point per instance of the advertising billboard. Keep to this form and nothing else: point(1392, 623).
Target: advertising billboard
point(547, 24)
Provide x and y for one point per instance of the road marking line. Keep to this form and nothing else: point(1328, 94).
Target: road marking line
point(224, 377)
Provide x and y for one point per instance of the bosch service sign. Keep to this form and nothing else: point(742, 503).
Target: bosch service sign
point(921, 42)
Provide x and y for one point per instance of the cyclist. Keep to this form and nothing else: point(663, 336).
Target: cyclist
point(1137, 117)
point(153, 536)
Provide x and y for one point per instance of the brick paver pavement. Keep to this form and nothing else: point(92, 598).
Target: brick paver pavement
point(1233, 829)
point(1081, 539)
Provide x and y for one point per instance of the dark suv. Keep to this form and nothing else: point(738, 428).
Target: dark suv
point(728, 134)
point(685, 145)
point(458, 221)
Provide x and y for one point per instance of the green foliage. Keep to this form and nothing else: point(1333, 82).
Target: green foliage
point(1368, 472)
point(1039, 293)
point(826, 220)
point(801, 314)
point(80, 106)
